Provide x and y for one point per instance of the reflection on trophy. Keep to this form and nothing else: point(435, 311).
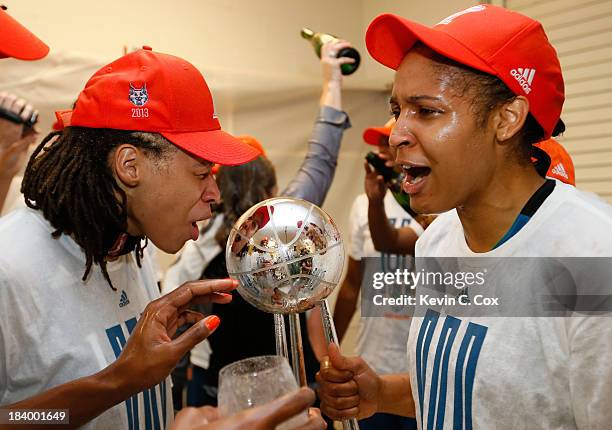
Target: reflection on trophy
point(319, 39)
point(288, 255)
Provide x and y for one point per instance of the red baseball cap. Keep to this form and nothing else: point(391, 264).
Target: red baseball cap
point(160, 93)
point(17, 41)
point(372, 135)
point(249, 140)
point(561, 166)
point(488, 38)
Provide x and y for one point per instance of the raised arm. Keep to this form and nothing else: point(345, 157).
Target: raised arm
point(315, 176)
point(385, 237)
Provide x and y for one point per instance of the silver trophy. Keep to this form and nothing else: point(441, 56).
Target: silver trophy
point(288, 255)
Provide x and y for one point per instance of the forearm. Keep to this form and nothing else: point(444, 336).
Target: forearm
point(384, 235)
point(396, 396)
point(332, 95)
point(85, 398)
point(316, 173)
point(345, 308)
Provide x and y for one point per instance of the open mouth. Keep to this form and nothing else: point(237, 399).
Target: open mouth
point(415, 174)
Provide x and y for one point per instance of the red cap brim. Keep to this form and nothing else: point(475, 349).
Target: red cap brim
point(390, 37)
point(18, 42)
point(372, 135)
point(216, 146)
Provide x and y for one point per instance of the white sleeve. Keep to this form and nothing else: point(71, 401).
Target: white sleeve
point(590, 370)
point(358, 221)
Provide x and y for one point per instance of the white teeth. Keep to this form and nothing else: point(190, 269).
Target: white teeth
point(415, 180)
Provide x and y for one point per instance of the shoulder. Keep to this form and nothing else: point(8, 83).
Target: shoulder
point(581, 204)
point(24, 232)
point(577, 223)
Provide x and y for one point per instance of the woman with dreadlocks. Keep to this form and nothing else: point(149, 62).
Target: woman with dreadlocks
point(133, 163)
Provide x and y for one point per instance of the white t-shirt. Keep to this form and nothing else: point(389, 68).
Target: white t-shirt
point(518, 373)
point(382, 340)
point(55, 328)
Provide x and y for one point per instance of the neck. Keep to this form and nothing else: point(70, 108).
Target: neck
point(487, 217)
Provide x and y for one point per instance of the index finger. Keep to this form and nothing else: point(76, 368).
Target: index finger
point(191, 291)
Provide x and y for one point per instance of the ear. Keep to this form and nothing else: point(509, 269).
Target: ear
point(126, 162)
point(510, 118)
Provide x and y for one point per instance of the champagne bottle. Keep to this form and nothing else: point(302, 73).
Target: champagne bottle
point(319, 39)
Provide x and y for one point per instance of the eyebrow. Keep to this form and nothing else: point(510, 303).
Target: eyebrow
point(413, 99)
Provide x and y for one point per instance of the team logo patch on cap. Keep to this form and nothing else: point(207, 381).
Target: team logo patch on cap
point(139, 96)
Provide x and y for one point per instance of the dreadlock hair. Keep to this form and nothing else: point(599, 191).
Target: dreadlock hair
point(241, 187)
point(487, 92)
point(69, 179)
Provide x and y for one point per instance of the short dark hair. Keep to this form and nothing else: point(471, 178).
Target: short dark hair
point(69, 179)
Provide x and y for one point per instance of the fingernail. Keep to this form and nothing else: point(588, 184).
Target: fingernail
point(212, 322)
point(225, 294)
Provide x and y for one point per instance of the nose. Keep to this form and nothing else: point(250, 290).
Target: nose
point(211, 193)
point(402, 134)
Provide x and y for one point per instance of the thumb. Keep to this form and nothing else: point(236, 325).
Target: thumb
point(355, 365)
point(195, 334)
point(340, 362)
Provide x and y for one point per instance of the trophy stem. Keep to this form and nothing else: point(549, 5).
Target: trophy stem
point(297, 351)
point(328, 323)
point(280, 336)
point(330, 335)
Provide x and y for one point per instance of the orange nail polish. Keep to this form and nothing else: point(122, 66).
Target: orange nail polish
point(212, 322)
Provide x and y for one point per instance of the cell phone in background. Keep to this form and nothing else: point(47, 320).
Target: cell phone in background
point(17, 119)
point(393, 180)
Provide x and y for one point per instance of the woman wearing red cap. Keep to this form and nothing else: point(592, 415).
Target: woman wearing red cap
point(82, 326)
point(471, 96)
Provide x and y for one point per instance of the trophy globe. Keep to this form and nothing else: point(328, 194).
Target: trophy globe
point(287, 254)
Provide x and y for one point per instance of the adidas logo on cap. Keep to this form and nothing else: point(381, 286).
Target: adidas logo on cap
point(524, 77)
point(560, 170)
